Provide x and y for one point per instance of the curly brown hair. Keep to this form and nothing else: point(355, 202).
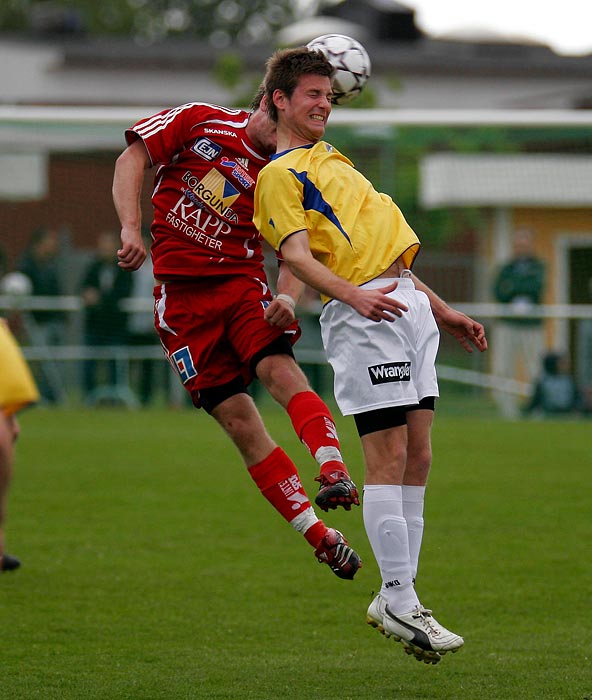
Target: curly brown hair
point(286, 66)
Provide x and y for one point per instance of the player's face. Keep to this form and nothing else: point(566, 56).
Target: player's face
point(306, 112)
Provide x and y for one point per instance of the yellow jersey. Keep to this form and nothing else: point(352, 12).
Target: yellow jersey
point(17, 386)
point(353, 230)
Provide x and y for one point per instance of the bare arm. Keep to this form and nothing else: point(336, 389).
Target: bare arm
point(467, 331)
point(281, 311)
point(127, 189)
point(371, 303)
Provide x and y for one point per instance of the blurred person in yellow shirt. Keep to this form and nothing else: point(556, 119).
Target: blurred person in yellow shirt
point(17, 390)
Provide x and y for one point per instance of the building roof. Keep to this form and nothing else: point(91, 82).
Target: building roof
point(491, 180)
point(411, 74)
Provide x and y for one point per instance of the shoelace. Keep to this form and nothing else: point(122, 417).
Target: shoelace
point(425, 616)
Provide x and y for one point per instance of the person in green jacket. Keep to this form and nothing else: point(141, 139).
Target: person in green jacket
point(518, 337)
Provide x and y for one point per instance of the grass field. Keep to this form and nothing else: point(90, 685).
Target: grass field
point(152, 568)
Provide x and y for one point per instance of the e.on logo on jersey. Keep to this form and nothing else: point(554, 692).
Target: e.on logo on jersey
point(208, 150)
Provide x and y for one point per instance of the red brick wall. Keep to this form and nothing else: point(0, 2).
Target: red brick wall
point(79, 201)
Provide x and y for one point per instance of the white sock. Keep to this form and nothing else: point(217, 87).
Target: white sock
point(387, 532)
point(413, 500)
point(301, 523)
point(328, 453)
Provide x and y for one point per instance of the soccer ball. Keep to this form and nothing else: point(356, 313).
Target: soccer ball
point(351, 63)
point(16, 284)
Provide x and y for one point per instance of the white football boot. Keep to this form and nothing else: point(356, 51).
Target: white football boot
point(420, 634)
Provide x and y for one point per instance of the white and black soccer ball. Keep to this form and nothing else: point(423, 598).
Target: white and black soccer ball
point(16, 284)
point(351, 62)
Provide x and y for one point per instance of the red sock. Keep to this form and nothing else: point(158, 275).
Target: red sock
point(278, 480)
point(315, 533)
point(313, 423)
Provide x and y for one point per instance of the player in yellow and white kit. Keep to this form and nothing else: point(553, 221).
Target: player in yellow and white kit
point(17, 390)
point(352, 244)
point(357, 233)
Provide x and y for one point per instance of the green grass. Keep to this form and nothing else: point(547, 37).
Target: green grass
point(153, 568)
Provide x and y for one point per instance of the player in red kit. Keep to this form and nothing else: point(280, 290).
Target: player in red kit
point(215, 315)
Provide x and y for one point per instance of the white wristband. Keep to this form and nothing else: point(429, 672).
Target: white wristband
point(287, 298)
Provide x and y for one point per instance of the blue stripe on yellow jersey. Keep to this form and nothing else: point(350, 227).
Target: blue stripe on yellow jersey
point(313, 200)
point(353, 230)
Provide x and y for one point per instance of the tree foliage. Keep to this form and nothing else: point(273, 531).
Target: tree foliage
point(221, 22)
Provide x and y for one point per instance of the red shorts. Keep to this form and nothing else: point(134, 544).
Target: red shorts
point(212, 328)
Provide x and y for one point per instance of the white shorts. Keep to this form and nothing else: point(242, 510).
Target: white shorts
point(379, 365)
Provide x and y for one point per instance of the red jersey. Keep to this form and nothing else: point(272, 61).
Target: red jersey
point(203, 191)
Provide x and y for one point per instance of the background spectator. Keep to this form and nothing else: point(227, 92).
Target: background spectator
point(518, 337)
point(555, 391)
point(141, 330)
point(39, 263)
point(44, 327)
point(104, 285)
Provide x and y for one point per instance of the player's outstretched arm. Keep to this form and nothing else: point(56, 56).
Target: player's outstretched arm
point(468, 332)
point(128, 179)
point(371, 303)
